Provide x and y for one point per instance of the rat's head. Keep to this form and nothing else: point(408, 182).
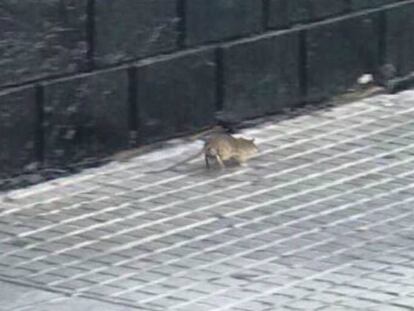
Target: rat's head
point(247, 146)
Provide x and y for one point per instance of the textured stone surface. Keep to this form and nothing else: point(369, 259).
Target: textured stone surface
point(85, 116)
point(321, 219)
point(261, 75)
point(144, 27)
point(285, 12)
point(208, 21)
point(22, 298)
point(340, 52)
point(176, 95)
point(40, 38)
point(364, 4)
point(278, 13)
point(18, 125)
point(400, 38)
point(13, 296)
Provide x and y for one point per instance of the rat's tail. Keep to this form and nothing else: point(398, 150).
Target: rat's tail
point(177, 163)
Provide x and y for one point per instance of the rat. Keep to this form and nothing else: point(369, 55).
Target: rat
point(222, 147)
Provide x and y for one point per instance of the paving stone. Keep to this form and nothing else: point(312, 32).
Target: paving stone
point(20, 298)
point(306, 305)
point(311, 229)
point(407, 302)
point(390, 307)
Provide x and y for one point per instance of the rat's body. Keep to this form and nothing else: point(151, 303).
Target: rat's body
point(222, 147)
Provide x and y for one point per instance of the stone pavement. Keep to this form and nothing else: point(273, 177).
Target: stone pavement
point(321, 219)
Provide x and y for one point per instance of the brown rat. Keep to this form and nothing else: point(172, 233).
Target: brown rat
point(222, 147)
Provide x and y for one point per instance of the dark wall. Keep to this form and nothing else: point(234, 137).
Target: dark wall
point(81, 79)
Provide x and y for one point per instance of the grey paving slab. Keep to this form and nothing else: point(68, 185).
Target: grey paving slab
point(23, 298)
point(321, 219)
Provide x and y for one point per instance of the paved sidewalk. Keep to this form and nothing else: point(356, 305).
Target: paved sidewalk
point(321, 219)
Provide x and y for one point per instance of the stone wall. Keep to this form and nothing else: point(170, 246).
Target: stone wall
point(81, 79)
